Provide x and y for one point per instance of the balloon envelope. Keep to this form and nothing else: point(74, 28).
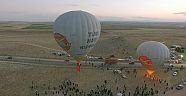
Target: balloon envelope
point(154, 52)
point(77, 32)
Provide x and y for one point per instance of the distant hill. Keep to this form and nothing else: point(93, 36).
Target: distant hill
point(138, 25)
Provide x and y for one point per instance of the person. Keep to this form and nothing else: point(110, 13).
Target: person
point(105, 81)
point(172, 88)
point(181, 68)
point(129, 93)
point(45, 92)
point(164, 92)
point(37, 93)
point(92, 64)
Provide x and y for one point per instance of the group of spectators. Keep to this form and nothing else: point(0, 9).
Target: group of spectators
point(106, 88)
point(69, 88)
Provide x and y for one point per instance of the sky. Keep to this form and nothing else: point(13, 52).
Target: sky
point(108, 10)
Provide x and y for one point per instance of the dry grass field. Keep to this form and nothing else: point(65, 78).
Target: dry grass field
point(26, 39)
point(16, 79)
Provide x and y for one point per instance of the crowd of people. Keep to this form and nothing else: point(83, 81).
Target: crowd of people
point(67, 88)
point(70, 88)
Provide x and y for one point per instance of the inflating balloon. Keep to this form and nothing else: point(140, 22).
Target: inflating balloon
point(153, 53)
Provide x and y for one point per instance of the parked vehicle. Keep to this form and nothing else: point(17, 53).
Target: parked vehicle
point(179, 87)
point(124, 76)
point(175, 73)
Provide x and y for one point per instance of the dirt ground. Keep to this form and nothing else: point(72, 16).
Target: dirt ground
point(16, 79)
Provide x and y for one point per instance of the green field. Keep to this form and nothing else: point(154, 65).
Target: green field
point(39, 26)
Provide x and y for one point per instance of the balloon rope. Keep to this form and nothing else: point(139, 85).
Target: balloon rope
point(78, 66)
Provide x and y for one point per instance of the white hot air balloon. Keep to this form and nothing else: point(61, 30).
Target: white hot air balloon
point(157, 52)
point(152, 55)
point(77, 32)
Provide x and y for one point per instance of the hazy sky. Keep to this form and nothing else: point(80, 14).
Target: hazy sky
point(136, 10)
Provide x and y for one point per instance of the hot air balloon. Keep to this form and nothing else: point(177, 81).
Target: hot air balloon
point(152, 55)
point(77, 32)
point(154, 52)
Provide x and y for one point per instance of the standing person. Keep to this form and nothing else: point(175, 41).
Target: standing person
point(92, 64)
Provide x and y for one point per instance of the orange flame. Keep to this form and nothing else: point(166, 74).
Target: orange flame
point(150, 72)
point(150, 75)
